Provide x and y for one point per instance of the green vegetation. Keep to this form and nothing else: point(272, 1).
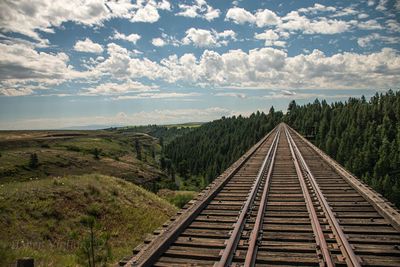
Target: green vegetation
point(177, 198)
point(28, 155)
point(34, 161)
point(164, 133)
point(56, 220)
point(364, 136)
point(201, 154)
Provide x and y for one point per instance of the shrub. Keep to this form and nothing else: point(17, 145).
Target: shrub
point(33, 161)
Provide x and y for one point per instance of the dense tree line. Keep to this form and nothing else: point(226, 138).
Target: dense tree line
point(363, 136)
point(210, 149)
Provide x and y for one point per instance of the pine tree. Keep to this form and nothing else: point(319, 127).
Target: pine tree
point(33, 161)
point(138, 149)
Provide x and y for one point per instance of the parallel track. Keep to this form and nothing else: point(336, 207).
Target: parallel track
point(284, 203)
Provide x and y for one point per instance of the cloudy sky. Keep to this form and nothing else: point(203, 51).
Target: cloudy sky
point(118, 62)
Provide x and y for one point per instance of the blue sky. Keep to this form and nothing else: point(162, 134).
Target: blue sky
point(124, 62)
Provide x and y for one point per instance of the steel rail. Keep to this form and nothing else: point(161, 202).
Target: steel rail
point(231, 244)
point(150, 254)
point(255, 233)
point(316, 226)
point(345, 247)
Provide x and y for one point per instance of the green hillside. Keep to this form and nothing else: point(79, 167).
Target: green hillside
point(62, 153)
point(45, 218)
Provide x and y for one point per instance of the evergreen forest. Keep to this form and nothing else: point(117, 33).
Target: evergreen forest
point(362, 135)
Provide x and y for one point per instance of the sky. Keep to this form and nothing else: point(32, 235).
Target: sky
point(119, 62)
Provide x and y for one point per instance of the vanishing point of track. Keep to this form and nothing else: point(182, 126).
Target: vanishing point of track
point(283, 203)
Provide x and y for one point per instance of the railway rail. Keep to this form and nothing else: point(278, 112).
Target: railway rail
point(283, 203)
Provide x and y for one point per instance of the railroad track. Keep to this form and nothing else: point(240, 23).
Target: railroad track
point(284, 203)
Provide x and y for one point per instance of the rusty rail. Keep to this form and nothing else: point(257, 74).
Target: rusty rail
point(350, 257)
point(319, 234)
point(255, 235)
point(232, 242)
point(148, 255)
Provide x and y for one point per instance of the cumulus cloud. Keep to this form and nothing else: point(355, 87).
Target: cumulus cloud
point(23, 69)
point(266, 17)
point(231, 94)
point(158, 42)
point(382, 5)
point(369, 25)
point(317, 8)
point(88, 46)
point(270, 37)
point(293, 21)
point(199, 9)
point(367, 40)
point(156, 96)
point(133, 38)
point(148, 13)
point(26, 16)
point(347, 11)
point(21, 63)
point(393, 25)
point(261, 18)
point(32, 17)
point(119, 88)
point(206, 38)
point(240, 16)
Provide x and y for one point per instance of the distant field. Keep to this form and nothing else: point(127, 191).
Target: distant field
point(72, 152)
point(183, 125)
point(44, 219)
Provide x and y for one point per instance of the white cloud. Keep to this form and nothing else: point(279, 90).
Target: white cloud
point(347, 11)
point(199, 9)
point(172, 95)
point(393, 25)
point(206, 38)
point(30, 18)
point(370, 2)
point(89, 46)
point(23, 69)
point(148, 13)
point(240, 16)
point(366, 41)
point(369, 25)
point(165, 39)
point(261, 18)
point(229, 94)
point(317, 8)
point(26, 16)
point(382, 5)
point(397, 4)
point(266, 17)
point(270, 37)
point(363, 16)
point(133, 38)
point(265, 68)
point(158, 42)
point(110, 88)
point(293, 21)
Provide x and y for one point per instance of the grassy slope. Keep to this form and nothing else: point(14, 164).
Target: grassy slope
point(70, 152)
point(48, 211)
